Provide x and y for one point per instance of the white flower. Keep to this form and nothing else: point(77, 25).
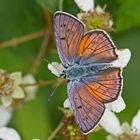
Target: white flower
point(85, 5)
point(111, 123)
point(124, 56)
point(136, 123)
point(17, 90)
point(13, 86)
point(12, 89)
point(32, 89)
point(113, 126)
point(67, 103)
point(9, 134)
point(116, 106)
point(5, 115)
point(56, 68)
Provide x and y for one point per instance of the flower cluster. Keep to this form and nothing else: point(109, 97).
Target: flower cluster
point(94, 17)
point(126, 131)
point(13, 87)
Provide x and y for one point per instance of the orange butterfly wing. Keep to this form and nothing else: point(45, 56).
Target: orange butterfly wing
point(105, 86)
point(96, 46)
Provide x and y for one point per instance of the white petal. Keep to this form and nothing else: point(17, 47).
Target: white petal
point(126, 128)
point(16, 77)
point(5, 115)
point(110, 23)
point(111, 137)
point(99, 10)
point(80, 15)
point(85, 5)
point(9, 134)
point(6, 100)
point(56, 68)
point(18, 93)
point(136, 123)
point(35, 139)
point(30, 90)
point(67, 103)
point(116, 106)
point(111, 123)
point(123, 58)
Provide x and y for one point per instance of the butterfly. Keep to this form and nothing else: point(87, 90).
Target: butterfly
point(92, 66)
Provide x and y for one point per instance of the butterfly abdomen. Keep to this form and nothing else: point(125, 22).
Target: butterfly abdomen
point(97, 67)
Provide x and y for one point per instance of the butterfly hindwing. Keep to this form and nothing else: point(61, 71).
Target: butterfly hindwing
point(87, 109)
point(105, 86)
point(96, 46)
point(68, 34)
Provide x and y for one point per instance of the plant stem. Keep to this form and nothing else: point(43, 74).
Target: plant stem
point(57, 129)
point(44, 44)
point(61, 5)
point(18, 40)
point(42, 83)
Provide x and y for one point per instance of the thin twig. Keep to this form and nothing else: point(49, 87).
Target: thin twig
point(18, 40)
point(41, 53)
point(44, 44)
point(54, 133)
point(42, 83)
point(61, 5)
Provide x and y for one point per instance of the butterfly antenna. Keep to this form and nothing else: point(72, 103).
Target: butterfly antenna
point(44, 59)
point(49, 98)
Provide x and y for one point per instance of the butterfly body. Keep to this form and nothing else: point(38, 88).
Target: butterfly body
point(77, 72)
point(91, 65)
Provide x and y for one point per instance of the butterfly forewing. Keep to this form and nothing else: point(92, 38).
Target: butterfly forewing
point(88, 109)
point(68, 33)
point(96, 46)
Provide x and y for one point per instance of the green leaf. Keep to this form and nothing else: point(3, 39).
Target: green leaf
point(51, 5)
point(33, 120)
point(128, 14)
point(70, 6)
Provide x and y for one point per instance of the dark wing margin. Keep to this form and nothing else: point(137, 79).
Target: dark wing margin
point(96, 46)
point(68, 33)
point(87, 109)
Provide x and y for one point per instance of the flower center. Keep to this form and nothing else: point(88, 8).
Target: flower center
point(6, 83)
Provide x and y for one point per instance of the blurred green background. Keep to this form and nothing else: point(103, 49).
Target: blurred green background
point(38, 118)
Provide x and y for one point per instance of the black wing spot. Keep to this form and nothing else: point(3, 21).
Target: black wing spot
point(62, 38)
point(63, 25)
point(78, 107)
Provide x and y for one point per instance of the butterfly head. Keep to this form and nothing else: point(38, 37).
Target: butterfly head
point(63, 74)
